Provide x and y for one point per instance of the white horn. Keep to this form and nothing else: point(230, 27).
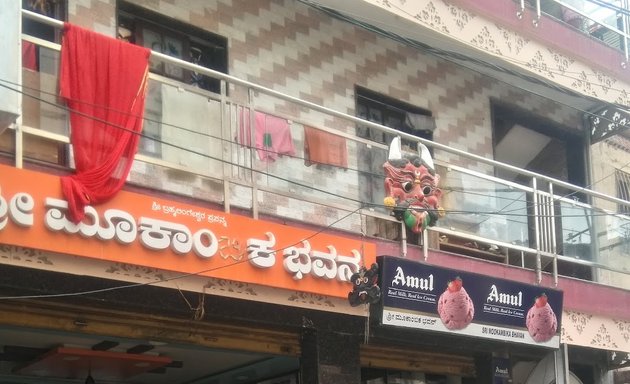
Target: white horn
point(425, 155)
point(395, 152)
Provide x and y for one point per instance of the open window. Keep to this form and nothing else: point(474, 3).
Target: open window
point(174, 38)
point(392, 113)
point(35, 58)
point(171, 115)
point(554, 151)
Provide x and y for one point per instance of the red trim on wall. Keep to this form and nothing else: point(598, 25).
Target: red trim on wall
point(551, 32)
point(579, 295)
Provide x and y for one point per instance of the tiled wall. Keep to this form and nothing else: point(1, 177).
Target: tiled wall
point(98, 15)
point(292, 48)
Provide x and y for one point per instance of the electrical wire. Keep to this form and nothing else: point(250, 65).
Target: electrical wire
point(234, 164)
point(290, 181)
point(458, 58)
point(396, 37)
point(359, 172)
point(445, 54)
point(180, 276)
point(274, 175)
point(188, 150)
point(178, 127)
point(452, 56)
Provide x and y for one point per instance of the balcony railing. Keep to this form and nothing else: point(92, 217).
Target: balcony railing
point(605, 20)
point(193, 145)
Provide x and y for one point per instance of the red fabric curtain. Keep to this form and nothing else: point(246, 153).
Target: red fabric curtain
point(103, 81)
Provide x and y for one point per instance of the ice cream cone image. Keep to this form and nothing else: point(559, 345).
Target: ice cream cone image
point(455, 307)
point(541, 321)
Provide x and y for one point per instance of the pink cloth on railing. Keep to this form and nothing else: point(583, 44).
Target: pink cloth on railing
point(272, 135)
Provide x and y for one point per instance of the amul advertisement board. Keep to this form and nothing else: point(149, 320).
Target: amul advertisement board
point(422, 296)
point(154, 232)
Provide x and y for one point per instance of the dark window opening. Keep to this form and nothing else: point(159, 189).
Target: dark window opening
point(31, 55)
point(174, 38)
point(551, 150)
point(392, 113)
point(51, 8)
point(528, 141)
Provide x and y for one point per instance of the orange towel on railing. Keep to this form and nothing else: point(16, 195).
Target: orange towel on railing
point(321, 147)
point(103, 81)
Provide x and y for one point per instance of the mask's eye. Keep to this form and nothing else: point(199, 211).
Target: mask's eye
point(407, 186)
point(427, 190)
point(358, 281)
point(365, 280)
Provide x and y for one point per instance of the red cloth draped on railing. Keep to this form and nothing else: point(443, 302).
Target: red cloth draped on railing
point(103, 81)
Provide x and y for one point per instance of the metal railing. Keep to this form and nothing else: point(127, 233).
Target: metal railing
point(525, 225)
point(592, 17)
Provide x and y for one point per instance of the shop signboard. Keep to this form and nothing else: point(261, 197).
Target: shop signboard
point(423, 296)
point(148, 231)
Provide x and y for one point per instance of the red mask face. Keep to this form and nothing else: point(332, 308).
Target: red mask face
point(411, 188)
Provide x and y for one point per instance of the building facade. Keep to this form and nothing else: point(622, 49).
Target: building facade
point(257, 193)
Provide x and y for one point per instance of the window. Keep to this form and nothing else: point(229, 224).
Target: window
point(51, 8)
point(401, 116)
point(174, 38)
point(391, 113)
point(623, 190)
point(33, 57)
point(555, 151)
point(551, 150)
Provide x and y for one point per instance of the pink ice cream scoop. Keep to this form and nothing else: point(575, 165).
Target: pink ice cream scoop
point(455, 307)
point(541, 322)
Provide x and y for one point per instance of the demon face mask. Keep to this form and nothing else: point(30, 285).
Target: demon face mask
point(411, 187)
